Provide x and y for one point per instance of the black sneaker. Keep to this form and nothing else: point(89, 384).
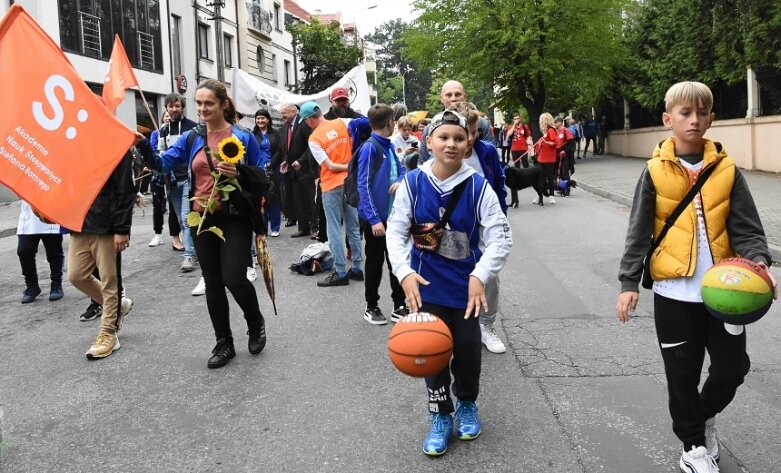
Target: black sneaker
point(30, 294)
point(257, 340)
point(333, 279)
point(374, 316)
point(355, 274)
point(222, 353)
point(93, 311)
point(399, 313)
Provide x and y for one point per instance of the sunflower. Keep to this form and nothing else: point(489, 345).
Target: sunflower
point(231, 150)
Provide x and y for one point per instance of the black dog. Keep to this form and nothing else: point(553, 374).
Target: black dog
point(564, 190)
point(521, 178)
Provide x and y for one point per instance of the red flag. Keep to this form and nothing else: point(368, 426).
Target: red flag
point(58, 143)
point(120, 76)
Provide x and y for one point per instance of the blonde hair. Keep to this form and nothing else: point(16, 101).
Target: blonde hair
point(466, 109)
point(404, 122)
point(688, 93)
point(546, 121)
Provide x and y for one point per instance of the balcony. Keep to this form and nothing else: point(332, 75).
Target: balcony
point(258, 18)
point(146, 51)
point(90, 35)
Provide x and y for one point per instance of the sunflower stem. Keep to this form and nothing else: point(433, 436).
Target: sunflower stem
point(206, 210)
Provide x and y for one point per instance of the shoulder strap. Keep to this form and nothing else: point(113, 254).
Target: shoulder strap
point(680, 208)
point(451, 205)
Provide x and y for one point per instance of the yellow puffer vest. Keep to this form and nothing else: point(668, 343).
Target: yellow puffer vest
point(676, 256)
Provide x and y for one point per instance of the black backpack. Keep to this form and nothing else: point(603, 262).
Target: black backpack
point(351, 195)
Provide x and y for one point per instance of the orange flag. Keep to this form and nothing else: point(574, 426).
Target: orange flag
point(120, 76)
point(58, 142)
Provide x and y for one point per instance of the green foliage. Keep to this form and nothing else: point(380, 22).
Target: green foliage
point(325, 58)
point(709, 41)
point(538, 55)
point(388, 39)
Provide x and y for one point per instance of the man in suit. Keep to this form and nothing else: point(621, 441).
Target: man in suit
point(290, 116)
point(302, 169)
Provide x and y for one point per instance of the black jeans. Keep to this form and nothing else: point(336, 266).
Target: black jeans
point(306, 208)
point(685, 330)
point(593, 140)
point(26, 249)
point(224, 264)
point(376, 255)
point(548, 177)
point(288, 197)
point(465, 366)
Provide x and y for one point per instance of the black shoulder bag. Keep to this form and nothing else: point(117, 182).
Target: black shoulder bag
point(646, 281)
point(428, 236)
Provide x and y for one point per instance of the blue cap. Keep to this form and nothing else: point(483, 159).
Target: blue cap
point(309, 110)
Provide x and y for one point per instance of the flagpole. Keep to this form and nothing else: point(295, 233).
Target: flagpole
point(146, 105)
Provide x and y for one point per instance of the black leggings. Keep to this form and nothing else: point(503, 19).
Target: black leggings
point(467, 353)
point(685, 330)
point(548, 177)
point(224, 264)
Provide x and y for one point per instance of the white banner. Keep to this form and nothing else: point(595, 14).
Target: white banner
point(250, 94)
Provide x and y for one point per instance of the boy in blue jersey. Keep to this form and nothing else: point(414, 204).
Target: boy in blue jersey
point(445, 272)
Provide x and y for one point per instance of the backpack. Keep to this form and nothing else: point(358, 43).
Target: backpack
point(351, 195)
point(574, 130)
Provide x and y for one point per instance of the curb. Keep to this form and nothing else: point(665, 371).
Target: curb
point(775, 251)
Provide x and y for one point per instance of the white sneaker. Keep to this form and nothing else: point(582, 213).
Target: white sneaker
point(125, 306)
point(157, 240)
point(536, 200)
point(490, 339)
point(200, 289)
point(275, 234)
point(697, 460)
point(252, 275)
point(712, 438)
point(551, 200)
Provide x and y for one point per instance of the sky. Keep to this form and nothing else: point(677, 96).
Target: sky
point(366, 19)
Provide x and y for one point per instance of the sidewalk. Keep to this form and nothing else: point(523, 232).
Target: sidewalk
point(615, 177)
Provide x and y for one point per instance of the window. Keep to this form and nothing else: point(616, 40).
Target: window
point(203, 41)
point(276, 17)
point(274, 68)
point(227, 49)
point(287, 72)
point(87, 27)
point(176, 38)
point(261, 59)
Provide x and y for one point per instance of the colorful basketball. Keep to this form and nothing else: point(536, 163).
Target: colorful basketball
point(737, 291)
point(420, 345)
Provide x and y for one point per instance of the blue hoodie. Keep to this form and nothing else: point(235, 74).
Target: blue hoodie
point(374, 204)
point(492, 170)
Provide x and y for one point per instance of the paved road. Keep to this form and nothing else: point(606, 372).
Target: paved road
point(577, 392)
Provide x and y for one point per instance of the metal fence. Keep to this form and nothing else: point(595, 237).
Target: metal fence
point(769, 92)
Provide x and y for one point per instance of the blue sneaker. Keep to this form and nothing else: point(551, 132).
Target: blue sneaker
point(437, 439)
point(468, 423)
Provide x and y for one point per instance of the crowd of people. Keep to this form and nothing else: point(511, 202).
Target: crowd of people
point(427, 200)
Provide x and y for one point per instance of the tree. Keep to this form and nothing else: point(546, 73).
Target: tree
point(393, 65)
point(537, 54)
point(324, 56)
point(710, 41)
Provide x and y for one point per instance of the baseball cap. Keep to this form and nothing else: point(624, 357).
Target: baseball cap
point(309, 110)
point(447, 118)
point(340, 93)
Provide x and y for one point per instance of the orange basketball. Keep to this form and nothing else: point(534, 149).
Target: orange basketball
point(420, 345)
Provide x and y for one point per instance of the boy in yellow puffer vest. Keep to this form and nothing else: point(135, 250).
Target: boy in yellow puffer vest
point(722, 221)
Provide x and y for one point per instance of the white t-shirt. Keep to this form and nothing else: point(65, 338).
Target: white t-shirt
point(687, 289)
point(473, 162)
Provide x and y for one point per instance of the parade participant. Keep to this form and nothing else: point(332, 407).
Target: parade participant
point(452, 91)
point(484, 159)
point(222, 262)
point(518, 135)
point(405, 144)
point(450, 280)
point(331, 147)
point(270, 145)
point(565, 152)
point(290, 119)
point(721, 221)
point(159, 200)
point(546, 156)
point(30, 231)
point(304, 171)
point(340, 105)
point(590, 130)
point(104, 234)
point(377, 184)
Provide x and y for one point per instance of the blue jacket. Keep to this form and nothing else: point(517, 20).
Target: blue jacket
point(373, 190)
point(492, 170)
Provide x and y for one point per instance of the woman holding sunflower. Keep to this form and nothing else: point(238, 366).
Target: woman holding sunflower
point(225, 214)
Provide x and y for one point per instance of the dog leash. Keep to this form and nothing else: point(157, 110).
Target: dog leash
point(525, 152)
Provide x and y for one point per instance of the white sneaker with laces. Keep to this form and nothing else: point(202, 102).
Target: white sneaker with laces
point(274, 234)
point(551, 200)
point(536, 200)
point(712, 438)
point(252, 275)
point(697, 460)
point(200, 288)
point(157, 240)
point(490, 339)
